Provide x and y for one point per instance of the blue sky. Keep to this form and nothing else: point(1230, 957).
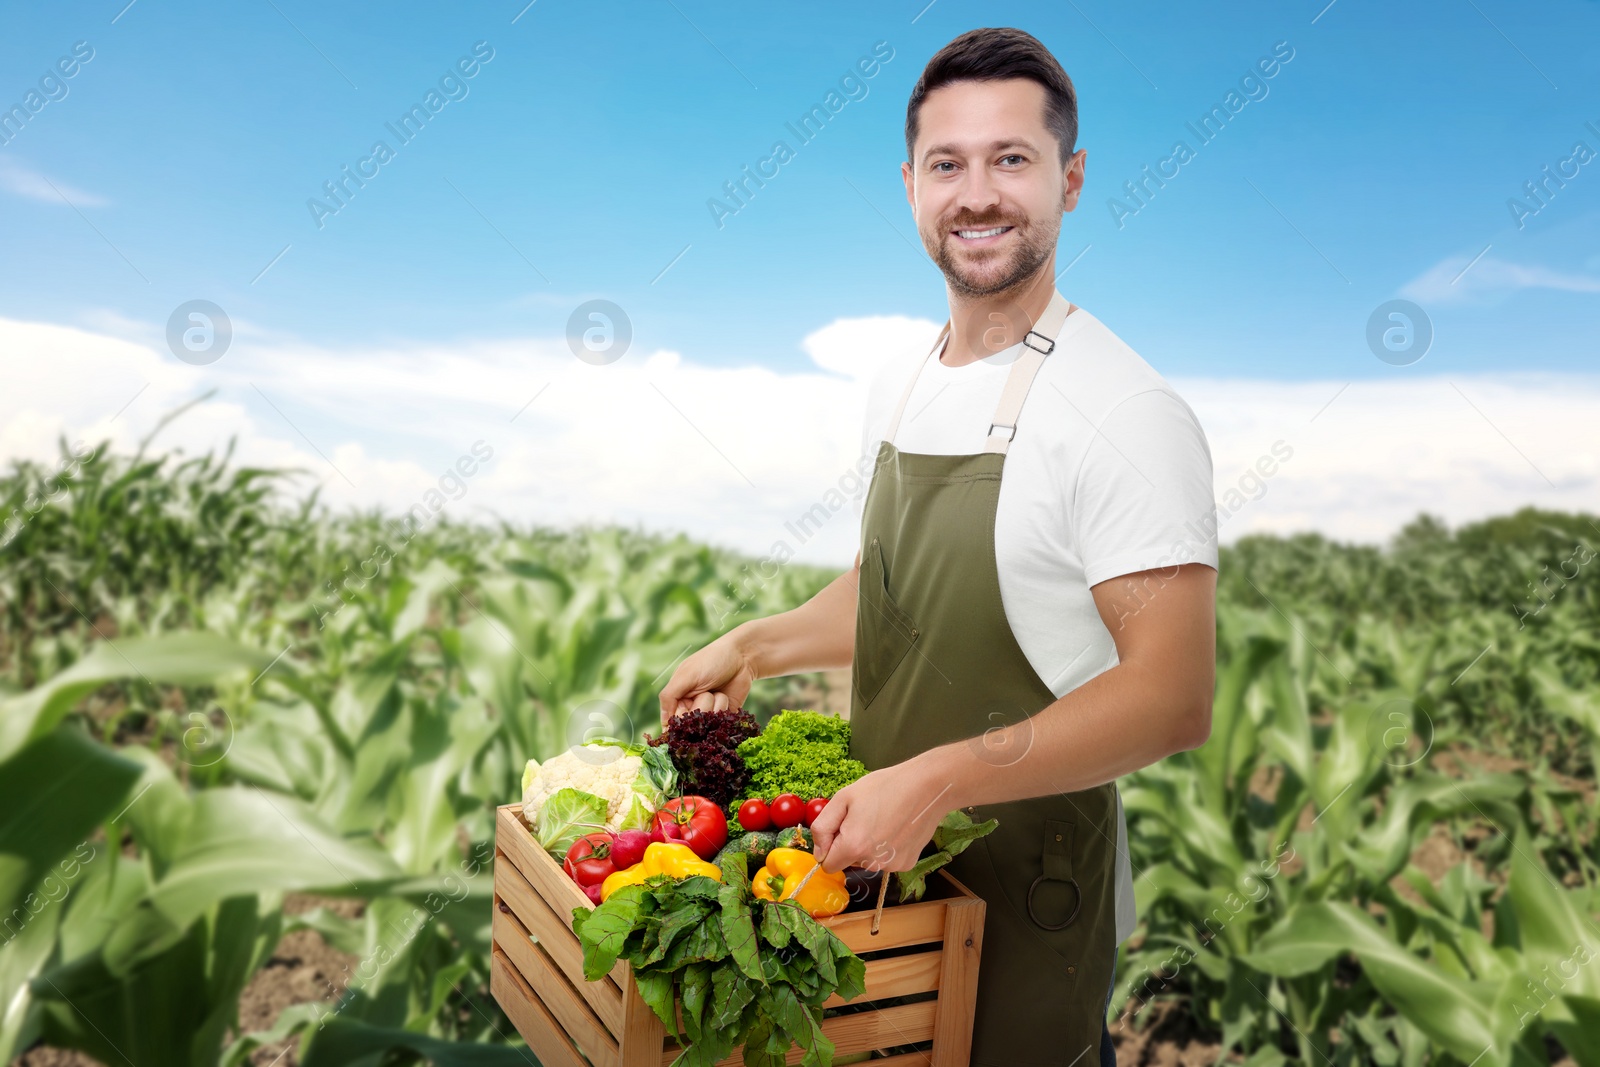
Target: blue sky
point(581, 160)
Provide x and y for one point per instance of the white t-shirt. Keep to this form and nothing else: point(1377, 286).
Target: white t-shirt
point(1109, 473)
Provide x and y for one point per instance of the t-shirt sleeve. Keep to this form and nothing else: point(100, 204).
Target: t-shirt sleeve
point(1143, 498)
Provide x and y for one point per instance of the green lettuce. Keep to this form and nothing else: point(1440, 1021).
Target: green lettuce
point(567, 815)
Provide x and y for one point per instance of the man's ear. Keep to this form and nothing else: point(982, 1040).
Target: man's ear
point(1069, 195)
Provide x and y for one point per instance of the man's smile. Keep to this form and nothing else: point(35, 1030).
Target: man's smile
point(980, 238)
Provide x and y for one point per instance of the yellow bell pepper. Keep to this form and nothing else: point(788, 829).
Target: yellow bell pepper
point(671, 858)
point(824, 895)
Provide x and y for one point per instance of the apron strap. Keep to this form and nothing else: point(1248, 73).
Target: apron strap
point(1038, 343)
point(905, 394)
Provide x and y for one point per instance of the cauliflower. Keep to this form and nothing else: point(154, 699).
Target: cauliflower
point(600, 785)
point(605, 771)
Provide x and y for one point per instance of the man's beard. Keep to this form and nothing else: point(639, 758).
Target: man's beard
point(1031, 250)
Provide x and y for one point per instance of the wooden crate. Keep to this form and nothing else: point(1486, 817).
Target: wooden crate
point(537, 972)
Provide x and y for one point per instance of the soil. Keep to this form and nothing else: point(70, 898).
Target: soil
point(1165, 1036)
point(55, 1057)
point(303, 969)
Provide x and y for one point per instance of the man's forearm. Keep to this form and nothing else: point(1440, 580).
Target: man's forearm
point(1119, 721)
point(818, 635)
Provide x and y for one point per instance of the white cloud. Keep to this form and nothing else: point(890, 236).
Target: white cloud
point(734, 455)
point(15, 178)
point(1444, 282)
point(1462, 447)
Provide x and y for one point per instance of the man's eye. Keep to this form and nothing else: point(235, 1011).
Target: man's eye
point(943, 163)
point(1012, 156)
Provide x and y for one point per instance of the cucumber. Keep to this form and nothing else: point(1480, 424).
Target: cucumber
point(755, 844)
point(794, 837)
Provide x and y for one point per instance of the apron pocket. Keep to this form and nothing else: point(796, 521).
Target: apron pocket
point(884, 632)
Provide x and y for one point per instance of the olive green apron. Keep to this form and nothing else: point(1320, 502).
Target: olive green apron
point(935, 662)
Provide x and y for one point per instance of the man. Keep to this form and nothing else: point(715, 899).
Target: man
point(1017, 643)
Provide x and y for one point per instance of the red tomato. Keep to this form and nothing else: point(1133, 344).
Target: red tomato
point(697, 822)
point(754, 815)
point(588, 861)
point(787, 810)
point(813, 809)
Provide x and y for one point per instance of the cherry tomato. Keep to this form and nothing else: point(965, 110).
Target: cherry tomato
point(589, 861)
point(813, 809)
point(787, 810)
point(755, 815)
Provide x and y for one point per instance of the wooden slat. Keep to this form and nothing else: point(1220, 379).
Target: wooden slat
point(958, 982)
point(642, 1031)
point(555, 933)
point(903, 1024)
point(897, 976)
point(512, 836)
point(583, 1027)
point(903, 924)
point(532, 1020)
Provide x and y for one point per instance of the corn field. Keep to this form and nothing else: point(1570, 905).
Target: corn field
point(218, 695)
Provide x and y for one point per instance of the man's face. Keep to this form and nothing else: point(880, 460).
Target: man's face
point(985, 161)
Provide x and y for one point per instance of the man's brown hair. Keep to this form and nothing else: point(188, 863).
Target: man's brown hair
point(991, 54)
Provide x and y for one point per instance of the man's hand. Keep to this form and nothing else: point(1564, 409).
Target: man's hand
point(717, 678)
point(881, 820)
point(818, 635)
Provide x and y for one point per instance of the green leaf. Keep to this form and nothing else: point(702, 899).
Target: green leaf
point(816, 938)
point(53, 793)
point(675, 922)
point(342, 1041)
point(756, 1053)
point(1581, 1036)
point(696, 992)
point(656, 989)
point(738, 928)
point(731, 991)
point(566, 815)
point(1449, 1010)
point(799, 1023)
point(607, 928)
point(703, 942)
point(241, 841)
point(950, 838)
point(1556, 931)
point(852, 973)
point(659, 774)
point(188, 659)
point(773, 931)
